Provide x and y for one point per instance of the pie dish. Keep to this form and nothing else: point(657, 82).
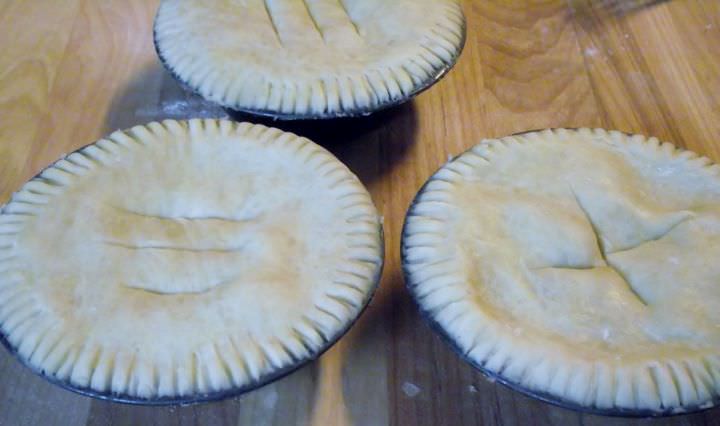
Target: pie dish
point(185, 261)
point(578, 266)
point(308, 58)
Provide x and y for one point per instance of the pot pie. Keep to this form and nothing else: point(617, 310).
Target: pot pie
point(308, 58)
point(185, 260)
point(579, 266)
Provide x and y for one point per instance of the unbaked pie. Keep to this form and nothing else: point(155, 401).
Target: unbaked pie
point(308, 58)
point(577, 265)
point(181, 260)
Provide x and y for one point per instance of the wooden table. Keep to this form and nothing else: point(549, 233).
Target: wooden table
point(75, 70)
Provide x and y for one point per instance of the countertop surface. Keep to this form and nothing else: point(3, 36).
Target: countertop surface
point(73, 71)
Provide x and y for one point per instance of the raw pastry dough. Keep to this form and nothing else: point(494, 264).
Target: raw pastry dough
point(580, 265)
point(183, 259)
point(308, 57)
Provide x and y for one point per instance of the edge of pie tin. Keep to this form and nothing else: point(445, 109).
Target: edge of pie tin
point(193, 399)
point(342, 113)
point(499, 378)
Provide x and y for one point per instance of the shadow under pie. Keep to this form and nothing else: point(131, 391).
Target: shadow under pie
point(370, 146)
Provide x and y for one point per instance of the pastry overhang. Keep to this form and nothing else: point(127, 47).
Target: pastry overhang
point(580, 264)
point(181, 259)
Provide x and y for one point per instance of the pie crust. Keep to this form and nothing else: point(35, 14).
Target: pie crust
point(579, 266)
point(184, 260)
point(308, 58)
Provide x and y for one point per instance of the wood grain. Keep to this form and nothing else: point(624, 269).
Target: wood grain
point(71, 72)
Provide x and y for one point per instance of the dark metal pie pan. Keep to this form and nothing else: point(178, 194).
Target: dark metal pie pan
point(495, 377)
point(195, 398)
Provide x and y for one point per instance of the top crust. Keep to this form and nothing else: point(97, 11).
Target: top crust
point(183, 259)
point(308, 57)
point(579, 264)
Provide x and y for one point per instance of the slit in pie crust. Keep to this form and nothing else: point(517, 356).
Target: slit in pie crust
point(578, 265)
point(308, 58)
point(180, 260)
